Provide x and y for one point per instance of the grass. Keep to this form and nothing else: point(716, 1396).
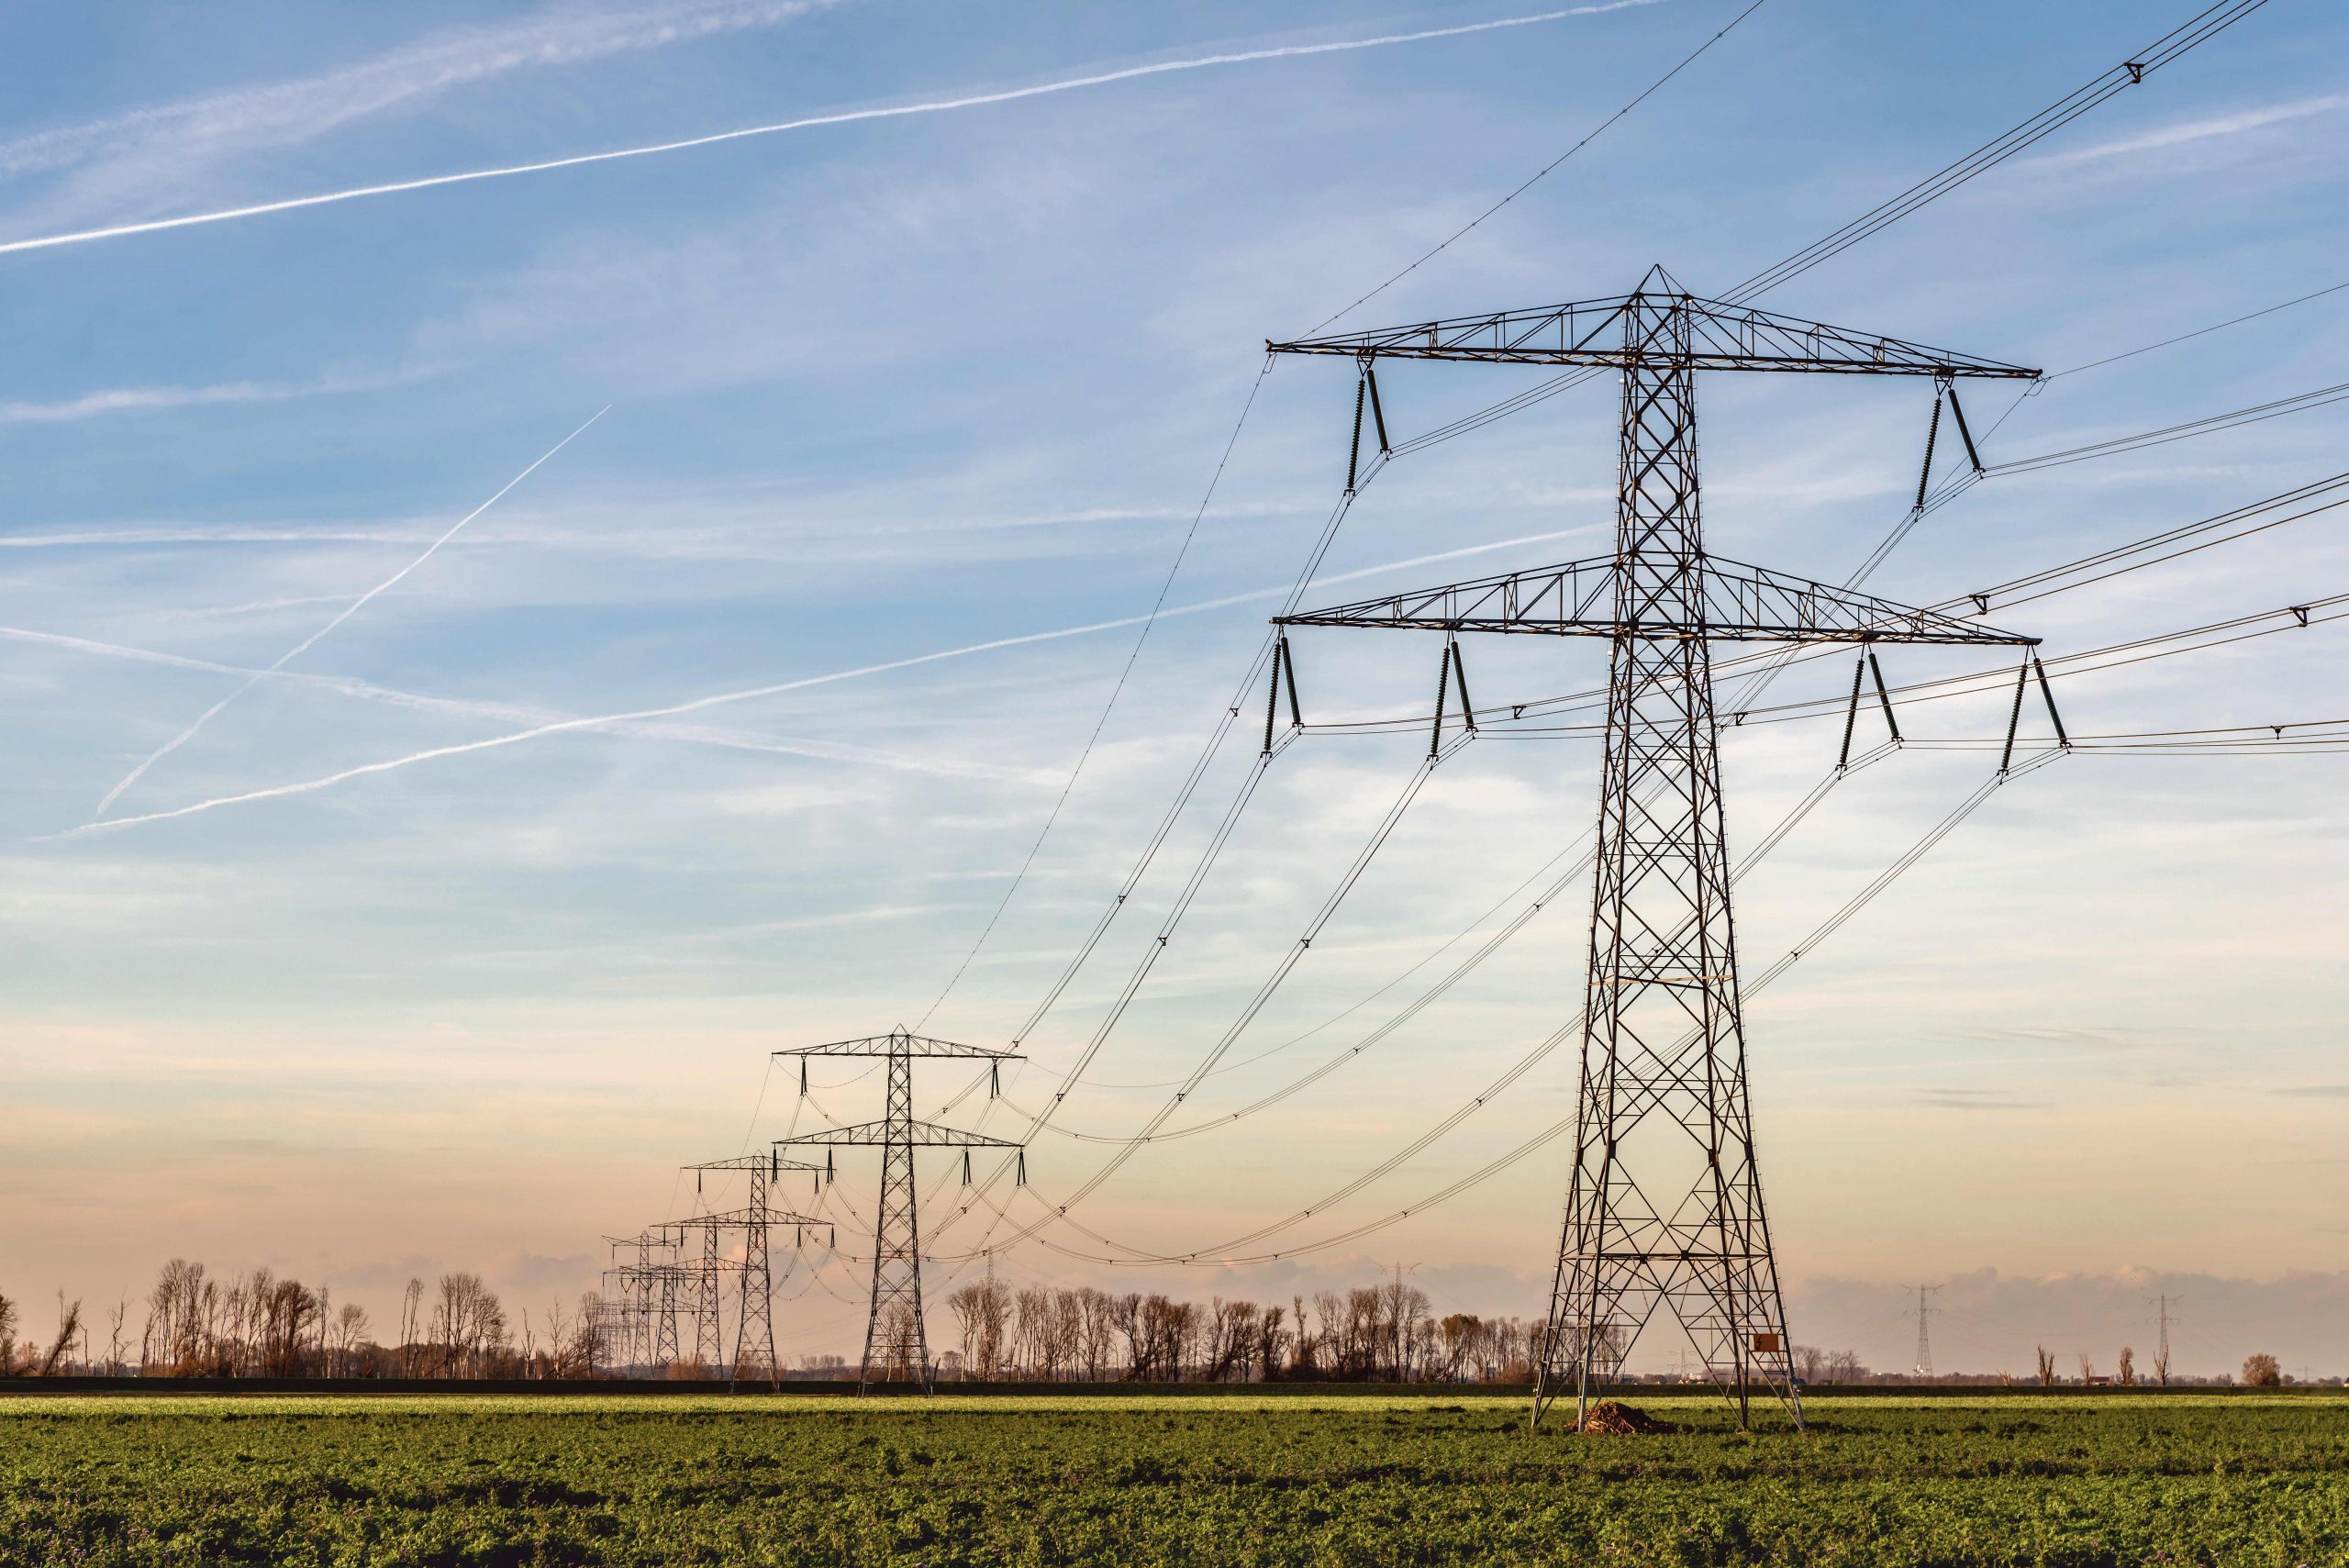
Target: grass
point(2235, 1482)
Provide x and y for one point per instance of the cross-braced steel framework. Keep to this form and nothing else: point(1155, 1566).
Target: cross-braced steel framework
point(757, 1219)
point(694, 1290)
point(637, 1302)
point(1665, 1206)
point(896, 1349)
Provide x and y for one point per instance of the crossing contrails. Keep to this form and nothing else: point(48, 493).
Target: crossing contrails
point(353, 608)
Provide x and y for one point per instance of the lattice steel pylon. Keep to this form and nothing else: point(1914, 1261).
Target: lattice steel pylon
point(1664, 1204)
point(709, 1349)
point(646, 1296)
point(754, 1353)
point(666, 1278)
point(1925, 1310)
point(896, 1348)
point(697, 1285)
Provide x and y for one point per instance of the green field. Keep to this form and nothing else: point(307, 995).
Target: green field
point(2239, 1481)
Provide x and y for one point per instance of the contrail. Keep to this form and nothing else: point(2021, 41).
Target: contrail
point(719, 699)
point(353, 608)
point(849, 116)
point(511, 713)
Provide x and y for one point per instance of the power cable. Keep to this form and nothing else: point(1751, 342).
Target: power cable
point(2048, 581)
point(2107, 84)
point(2257, 414)
point(2300, 615)
point(1989, 155)
point(1507, 1077)
point(1556, 888)
point(1271, 985)
point(1544, 173)
point(2203, 27)
point(1220, 1257)
point(2138, 651)
point(1222, 730)
point(2198, 332)
point(1116, 690)
point(1778, 660)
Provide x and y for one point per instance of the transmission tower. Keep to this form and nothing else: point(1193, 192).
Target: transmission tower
point(709, 1350)
point(1925, 1311)
point(896, 1347)
point(1665, 1205)
point(757, 1219)
point(640, 1296)
point(697, 1287)
point(2161, 1355)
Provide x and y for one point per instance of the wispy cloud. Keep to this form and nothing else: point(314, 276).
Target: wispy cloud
point(809, 122)
point(289, 112)
point(253, 607)
point(159, 399)
point(1972, 1100)
point(200, 533)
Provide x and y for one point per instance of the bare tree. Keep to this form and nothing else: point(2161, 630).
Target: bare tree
point(1303, 1363)
point(1067, 1331)
point(2126, 1374)
point(180, 1310)
point(1125, 1316)
point(69, 1325)
point(583, 1350)
point(2161, 1362)
point(2261, 1369)
point(982, 1312)
point(1457, 1332)
point(2087, 1369)
point(468, 1325)
point(1100, 1332)
point(411, 1322)
point(349, 1332)
point(115, 1345)
point(2046, 1367)
point(1271, 1342)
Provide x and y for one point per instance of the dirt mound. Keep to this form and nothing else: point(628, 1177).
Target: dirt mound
point(1615, 1418)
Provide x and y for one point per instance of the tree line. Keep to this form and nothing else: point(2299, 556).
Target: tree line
point(1382, 1333)
point(257, 1324)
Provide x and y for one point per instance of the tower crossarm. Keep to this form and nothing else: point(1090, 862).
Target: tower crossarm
point(768, 1163)
point(642, 1238)
point(899, 1042)
point(1736, 603)
point(919, 1135)
point(1720, 338)
point(743, 1218)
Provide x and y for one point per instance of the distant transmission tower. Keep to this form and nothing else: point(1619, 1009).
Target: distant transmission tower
point(2161, 1354)
point(698, 1285)
point(757, 1219)
point(1925, 1311)
point(896, 1350)
point(642, 1297)
point(1664, 1209)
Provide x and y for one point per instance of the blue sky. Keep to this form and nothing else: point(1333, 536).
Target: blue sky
point(910, 384)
